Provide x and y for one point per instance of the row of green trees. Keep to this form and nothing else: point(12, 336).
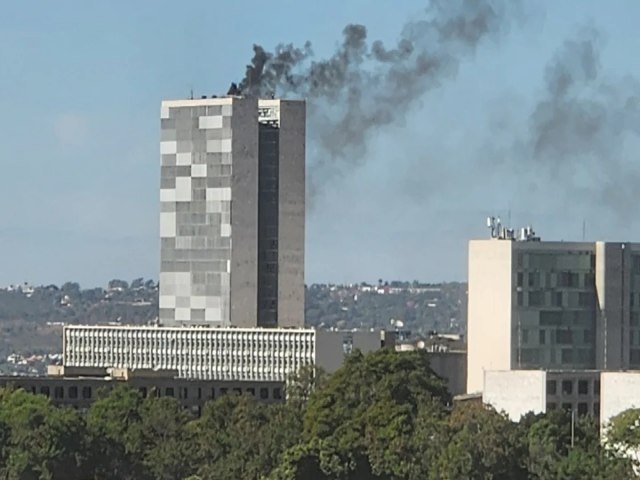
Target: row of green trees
point(382, 416)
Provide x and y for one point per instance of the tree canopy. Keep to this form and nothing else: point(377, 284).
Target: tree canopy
point(383, 416)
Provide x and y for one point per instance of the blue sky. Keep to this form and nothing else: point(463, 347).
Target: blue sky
point(81, 86)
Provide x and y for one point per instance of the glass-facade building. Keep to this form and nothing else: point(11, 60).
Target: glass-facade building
point(554, 309)
point(552, 306)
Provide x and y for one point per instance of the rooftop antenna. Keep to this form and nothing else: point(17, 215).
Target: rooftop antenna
point(494, 225)
point(191, 93)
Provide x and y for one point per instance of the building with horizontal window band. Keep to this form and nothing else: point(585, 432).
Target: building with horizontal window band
point(224, 354)
point(551, 305)
point(193, 365)
point(80, 388)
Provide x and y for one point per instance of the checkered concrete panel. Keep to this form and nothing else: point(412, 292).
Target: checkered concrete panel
point(195, 205)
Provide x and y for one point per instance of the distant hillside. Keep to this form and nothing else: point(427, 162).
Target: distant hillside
point(420, 308)
point(31, 318)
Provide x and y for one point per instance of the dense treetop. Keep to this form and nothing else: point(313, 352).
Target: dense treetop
point(383, 416)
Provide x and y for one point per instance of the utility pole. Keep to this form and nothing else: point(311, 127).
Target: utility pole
point(573, 421)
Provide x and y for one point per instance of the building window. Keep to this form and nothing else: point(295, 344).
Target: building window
point(213, 393)
point(73, 392)
point(550, 318)
point(542, 337)
point(583, 387)
point(596, 387)
point(567, 356)
point(86, 393)
point(223, 391)
point(277, 393)
point(551, 406)
point(58, 392)
point(169, 392)
point(583, 408)
point(567, 387)
point(557, 299)
point(237, 391)
point(563, 336)
point(551, 387)
point(567, 407)
point(536, 298)
point(143, 392)
point(251, 391)
point(185, 392)
point(199, 393)
point(520, 299)
point(519, 279)
point(44, 390)
point(264, 393)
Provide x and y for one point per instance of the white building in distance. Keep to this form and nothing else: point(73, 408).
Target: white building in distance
point(237, 354)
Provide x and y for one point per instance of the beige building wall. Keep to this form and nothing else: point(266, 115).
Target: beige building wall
point(489, 309)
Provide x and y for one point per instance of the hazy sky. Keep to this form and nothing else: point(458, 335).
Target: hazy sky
point(80, 93)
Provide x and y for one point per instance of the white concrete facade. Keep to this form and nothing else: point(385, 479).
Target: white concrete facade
point(238, 354)
point(620, 392)
point(517, 392)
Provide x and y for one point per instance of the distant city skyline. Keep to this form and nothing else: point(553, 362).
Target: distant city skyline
point(81, 89)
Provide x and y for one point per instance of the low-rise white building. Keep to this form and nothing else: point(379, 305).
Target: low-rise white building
point(517, 392)
point(620, 392)
point(238, 354)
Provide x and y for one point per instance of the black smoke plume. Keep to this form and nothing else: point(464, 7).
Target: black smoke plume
point(365, 85)
point(584, 128)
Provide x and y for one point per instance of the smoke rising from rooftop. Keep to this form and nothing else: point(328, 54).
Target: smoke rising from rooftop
point(365, 84)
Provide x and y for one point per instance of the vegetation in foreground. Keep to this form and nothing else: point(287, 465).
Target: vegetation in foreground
point(382, 416)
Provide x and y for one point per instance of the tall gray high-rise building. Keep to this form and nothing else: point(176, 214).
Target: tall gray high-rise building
point(232, 212)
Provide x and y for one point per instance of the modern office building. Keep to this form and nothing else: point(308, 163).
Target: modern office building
point(551, 305)
point(232, 212)
point(223, 354)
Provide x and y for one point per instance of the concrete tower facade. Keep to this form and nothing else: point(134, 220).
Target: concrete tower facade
point(232, 212)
